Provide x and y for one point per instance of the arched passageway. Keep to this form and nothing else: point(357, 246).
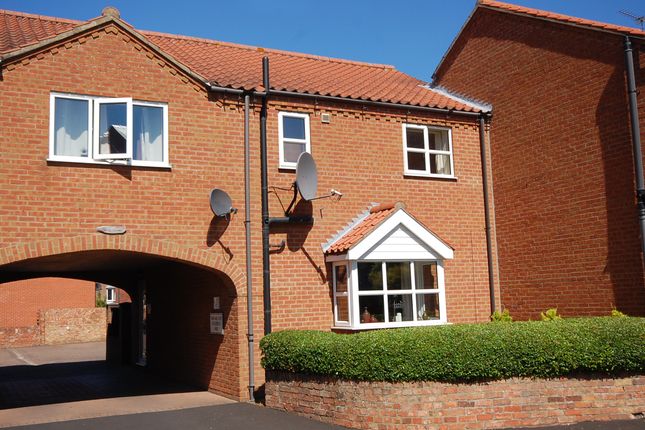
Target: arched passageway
point(167, 328)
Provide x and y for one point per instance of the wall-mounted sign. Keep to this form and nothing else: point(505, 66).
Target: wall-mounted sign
point(216, 303)
point(217, 323)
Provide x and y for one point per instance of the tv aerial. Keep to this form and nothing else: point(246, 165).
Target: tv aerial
point(640, 20)
point(221, 204)
point(306, 183)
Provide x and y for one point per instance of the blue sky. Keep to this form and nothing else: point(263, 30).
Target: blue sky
point(410, 34)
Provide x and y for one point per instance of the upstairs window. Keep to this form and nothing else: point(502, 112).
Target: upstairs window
point(427, 151)
point(123, 130)
point(293, 129)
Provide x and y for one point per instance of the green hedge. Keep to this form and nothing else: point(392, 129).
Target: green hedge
point(464, 352)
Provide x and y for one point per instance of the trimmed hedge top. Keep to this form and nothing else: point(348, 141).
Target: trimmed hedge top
point(464, 352)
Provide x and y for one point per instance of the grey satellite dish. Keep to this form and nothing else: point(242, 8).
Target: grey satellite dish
point(221, 203)
point(307, 176)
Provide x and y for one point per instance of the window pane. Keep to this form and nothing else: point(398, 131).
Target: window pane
point(426, 276)
point(398, 276)
point(71, 135)
point(440, 164)
point(400, 307)
point(438, 140)
point(112, 128)
point(341, 278)
point(371, 309)
point(342, 307)
point(293, 150)
point(293, 128)
point(427, 307)
point(370, 276)
point(416, 161)
point(414, 138)
point(148, 133)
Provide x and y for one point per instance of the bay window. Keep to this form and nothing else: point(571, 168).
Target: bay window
point(376, 294)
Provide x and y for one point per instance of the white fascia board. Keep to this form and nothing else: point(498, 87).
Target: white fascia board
point(401, 218)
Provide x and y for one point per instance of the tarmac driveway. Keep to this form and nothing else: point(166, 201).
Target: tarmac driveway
point(73, 387)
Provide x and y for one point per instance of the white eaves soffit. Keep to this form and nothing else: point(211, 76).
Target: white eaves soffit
point(400, 237)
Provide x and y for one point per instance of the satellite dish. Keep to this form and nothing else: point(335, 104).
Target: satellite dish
point(221, 203)
point(307, 176)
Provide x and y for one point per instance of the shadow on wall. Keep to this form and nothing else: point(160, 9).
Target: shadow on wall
point(179, 342)
point(624, 265)
point(296, 236)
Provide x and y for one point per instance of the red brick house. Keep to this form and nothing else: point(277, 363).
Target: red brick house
point(103, 125)
point(562, 164)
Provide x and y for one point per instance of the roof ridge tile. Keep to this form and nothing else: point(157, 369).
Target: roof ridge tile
point(539, 13)
point(268, 50)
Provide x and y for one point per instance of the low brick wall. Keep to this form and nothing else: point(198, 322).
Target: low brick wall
point(431, 405)
point(15, 337)
point(74, 325)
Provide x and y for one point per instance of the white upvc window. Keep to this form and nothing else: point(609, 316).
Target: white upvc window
point(341, 295)
point(427, 151)
point(110, 295)
point(108, 130)
point(293, 130)
point(398, 293)
point(382, 294)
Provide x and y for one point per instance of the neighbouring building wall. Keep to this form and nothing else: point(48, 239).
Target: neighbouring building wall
point(31, 310)
point(563, 174)
point(20, 301)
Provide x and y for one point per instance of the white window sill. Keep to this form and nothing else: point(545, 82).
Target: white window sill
point(287, 167)
point(373, 326)
point(131, 163)
point(428, 175)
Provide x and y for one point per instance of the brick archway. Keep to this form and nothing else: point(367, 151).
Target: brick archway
point(132, 243)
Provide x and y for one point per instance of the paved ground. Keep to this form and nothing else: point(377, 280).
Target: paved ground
point(72, 387)
point(235, 416)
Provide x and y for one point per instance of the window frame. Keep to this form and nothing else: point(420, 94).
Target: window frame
point(96, 139)
point(112, 290)
point(93, 121)
point(283, 164)
point(337, 321)
point(355, 293)
point(427, 151)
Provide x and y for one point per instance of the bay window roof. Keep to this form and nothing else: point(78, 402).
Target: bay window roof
point(387, 232)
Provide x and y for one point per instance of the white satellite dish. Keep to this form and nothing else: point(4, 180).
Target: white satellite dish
point(221, 204)
point(307, 176)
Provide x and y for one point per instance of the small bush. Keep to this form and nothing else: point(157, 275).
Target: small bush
point(100, 302)
point(464, 352)
point(617, 314)
point(550, 315)
point(504, 316)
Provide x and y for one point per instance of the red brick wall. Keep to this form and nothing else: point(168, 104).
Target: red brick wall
point(21, 301)
point(166, 211)
point(431, 405)
point(563, 176)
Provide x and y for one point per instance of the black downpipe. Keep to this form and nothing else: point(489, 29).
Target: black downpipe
point(636, 138)
point(266, 264)
point(489, 246)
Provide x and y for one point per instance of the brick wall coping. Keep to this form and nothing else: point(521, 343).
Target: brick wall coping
point(517, 402)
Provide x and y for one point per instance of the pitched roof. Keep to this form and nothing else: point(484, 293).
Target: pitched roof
point(493, 4)
point(240, 66)
point(356, 232)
